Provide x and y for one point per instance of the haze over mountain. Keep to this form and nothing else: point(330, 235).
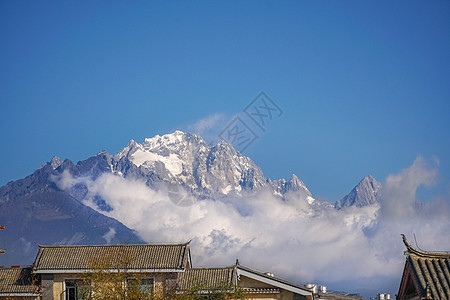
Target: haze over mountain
point(176, 187)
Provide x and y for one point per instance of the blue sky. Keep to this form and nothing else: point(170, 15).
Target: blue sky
point(364, 86)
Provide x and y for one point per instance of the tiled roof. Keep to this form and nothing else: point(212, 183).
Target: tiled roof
point(261, 290)
point(338, 296)
point(431, 272)
point(208, 278)
point(18, 281)
point(130, 257)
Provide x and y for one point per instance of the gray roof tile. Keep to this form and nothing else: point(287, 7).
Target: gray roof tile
point(206, 278)
point(18, 281)
point(431, 271)
point(131, 257)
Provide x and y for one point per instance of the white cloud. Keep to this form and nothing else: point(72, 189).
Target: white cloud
point(210, 127)
point(109, 235)
point(399, 191)
point(287, 238)
point(208, 123)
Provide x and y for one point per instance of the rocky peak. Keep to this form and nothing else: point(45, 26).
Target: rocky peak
point(55, 162)
point(364, 194)
point(295, 184)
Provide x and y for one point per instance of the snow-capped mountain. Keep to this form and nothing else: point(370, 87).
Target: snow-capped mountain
point(42, 208)
point(187, 160)
point(364, 194)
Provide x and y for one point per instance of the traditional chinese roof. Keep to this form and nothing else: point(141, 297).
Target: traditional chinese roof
point(206, 278)
point(136, 258)
point(18, 282)
point(426, 273)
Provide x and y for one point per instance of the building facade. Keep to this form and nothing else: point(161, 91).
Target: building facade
point(60, 273)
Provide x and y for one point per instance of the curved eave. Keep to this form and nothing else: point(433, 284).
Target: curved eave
point(420, 253)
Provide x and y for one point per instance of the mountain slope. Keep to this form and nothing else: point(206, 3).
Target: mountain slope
point(35, 211)
point(364, 194)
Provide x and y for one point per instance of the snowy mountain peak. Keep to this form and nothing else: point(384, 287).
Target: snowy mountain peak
point(296, 184)
point(55, 162)
point(186, 159)
point(364, 194)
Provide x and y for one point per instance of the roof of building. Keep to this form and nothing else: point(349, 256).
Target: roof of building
point(271, 279)
point(206, 278)
point(138, 258)
point(221, 277)
point(261, 290)
point(18, 281)
point(430, 272)
point(338, 296)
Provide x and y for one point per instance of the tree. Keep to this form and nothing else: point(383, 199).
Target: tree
point(110, 278)
point(221, 291)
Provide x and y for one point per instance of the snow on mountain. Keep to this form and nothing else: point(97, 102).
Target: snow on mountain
point(128, 193)
point(364, 194)
point(187, 160)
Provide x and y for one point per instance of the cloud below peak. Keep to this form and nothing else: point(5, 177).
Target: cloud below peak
point(291, 238)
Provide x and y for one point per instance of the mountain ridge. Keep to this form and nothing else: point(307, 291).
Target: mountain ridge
point(35, 211)
point(40, 203)
point(365, 193)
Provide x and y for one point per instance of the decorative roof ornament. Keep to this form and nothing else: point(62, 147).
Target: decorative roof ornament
point(426, 274)
point(413, 251)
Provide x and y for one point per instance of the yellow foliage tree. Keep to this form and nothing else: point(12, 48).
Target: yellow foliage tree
point(111, 279)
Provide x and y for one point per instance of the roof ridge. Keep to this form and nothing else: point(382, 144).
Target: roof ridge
point(281, 280)
point(213, 268)
point(426, 254)
point(114, 245)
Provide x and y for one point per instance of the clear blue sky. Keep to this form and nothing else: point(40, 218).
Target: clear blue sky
point(364, 86)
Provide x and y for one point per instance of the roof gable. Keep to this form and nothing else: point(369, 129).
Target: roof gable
point(137, 258)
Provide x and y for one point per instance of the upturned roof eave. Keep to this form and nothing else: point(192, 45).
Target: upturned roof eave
point(425, 254)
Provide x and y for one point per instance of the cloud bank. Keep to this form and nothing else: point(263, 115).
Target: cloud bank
point(290, 238)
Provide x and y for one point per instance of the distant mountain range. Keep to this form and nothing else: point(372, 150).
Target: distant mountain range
point(36, 210)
